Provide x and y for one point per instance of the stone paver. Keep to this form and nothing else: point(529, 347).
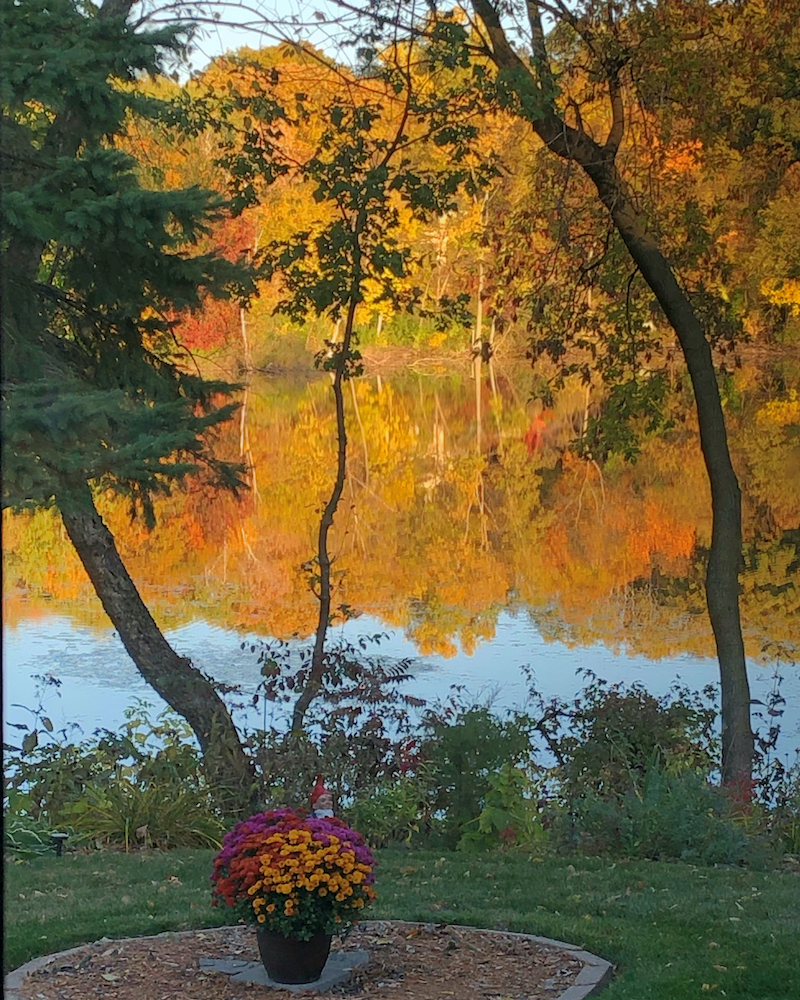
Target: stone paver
point(338, 969)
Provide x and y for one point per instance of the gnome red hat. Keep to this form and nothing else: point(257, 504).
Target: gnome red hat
point(318, 790)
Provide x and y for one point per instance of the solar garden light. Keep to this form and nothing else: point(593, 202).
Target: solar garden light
point(58, 842)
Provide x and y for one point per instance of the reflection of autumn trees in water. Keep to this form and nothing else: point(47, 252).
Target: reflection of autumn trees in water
point(436, 538)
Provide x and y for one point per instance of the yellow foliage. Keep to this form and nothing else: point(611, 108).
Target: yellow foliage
point(780, 412)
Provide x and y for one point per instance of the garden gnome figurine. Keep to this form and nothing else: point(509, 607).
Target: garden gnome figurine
point(321, 800)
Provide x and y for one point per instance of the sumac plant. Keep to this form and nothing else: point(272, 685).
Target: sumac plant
point(357, 729)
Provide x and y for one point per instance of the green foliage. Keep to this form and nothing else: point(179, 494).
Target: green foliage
point(141, 787)
point(665, 816)
point(468, 746)
point(616, 734)
point(511, 814)
point(154, 813)
point(24, 836)
point(395, 812)
point(779, 814)
point(95, 388)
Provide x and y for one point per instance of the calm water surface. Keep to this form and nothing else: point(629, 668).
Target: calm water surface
point(476, 540)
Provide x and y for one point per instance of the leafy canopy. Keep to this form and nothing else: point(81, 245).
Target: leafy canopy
point(95, 387)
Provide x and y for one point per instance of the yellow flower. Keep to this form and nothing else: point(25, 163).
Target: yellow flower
point(261, 918)
point(270, 908)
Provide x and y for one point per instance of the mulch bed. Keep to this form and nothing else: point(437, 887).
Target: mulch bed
point(419, 961)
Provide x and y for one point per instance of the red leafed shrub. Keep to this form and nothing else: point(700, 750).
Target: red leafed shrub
point(217, 323)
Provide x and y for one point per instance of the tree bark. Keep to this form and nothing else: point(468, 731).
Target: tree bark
point(228, 769)
point(182, 686)
point(722, 574)
point(598, 162)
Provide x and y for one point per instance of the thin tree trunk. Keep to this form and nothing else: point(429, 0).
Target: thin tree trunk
point(316, 674)
point(228, 769)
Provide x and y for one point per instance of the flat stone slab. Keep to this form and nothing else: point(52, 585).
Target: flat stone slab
point(338, 969)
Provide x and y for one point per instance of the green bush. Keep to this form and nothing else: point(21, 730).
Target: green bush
point(141, 787)
point(395, 812)
point(511, 814)
point(49, 777)
point(615, 734)
point(779, 813)
point(467, 747)
point(665, 816)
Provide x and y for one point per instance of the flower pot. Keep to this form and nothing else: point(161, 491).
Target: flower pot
point(289, 960)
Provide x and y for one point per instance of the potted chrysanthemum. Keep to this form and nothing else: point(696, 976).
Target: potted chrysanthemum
point(298, 880)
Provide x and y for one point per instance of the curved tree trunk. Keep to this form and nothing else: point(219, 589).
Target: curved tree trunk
point(722, 575)
point(535, 85)
point(228, 769)
point(182, 686)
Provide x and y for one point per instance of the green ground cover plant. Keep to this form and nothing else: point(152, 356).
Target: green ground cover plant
point(674, 930)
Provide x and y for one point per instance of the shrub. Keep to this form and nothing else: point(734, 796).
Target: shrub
point(616, 734)
point(395, 812)
point(142, 786)
point(152, 814)
point(664, 816)
point(779, 810)
point(356, 729)
point(467, 747)
point(511, 814)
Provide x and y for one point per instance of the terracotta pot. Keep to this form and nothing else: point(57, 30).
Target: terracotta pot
point(289, 960)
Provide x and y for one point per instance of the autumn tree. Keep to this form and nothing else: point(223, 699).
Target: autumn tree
point(615, 45)
point(95, 392)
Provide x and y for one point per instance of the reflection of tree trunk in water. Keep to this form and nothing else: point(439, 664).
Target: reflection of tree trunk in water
point(480, 497)
point(228, 769)
point(585, 421)
point(476, 361)
point(363, 435)
point(248, 361)
point(245, 449)
point(492, 377)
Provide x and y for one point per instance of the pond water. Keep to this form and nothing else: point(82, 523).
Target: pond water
point(469, 532)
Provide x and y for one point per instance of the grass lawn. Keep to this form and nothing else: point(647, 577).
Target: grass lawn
point(675, 931)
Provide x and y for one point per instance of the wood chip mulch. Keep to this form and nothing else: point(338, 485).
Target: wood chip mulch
point(418, 961)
